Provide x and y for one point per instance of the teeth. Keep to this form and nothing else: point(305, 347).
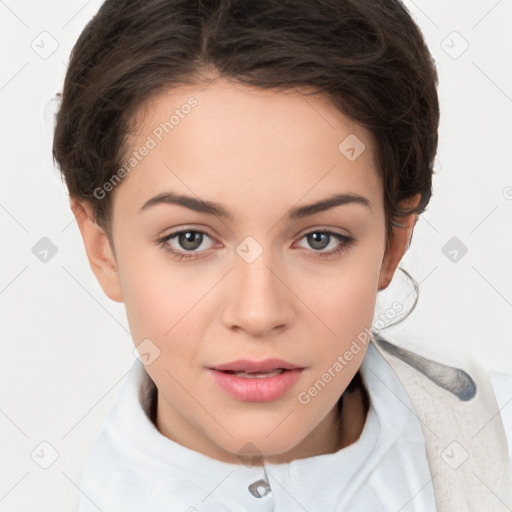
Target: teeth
point(258, 375)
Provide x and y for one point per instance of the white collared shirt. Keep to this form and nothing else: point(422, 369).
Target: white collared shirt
point(134, 468)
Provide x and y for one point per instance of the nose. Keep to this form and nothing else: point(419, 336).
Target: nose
point(258, 300)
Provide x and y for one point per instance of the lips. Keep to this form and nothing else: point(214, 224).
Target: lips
point(248, 366)
point(256, 381)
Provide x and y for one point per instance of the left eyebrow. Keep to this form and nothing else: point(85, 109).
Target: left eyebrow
point(211, 208)
point(325, 204)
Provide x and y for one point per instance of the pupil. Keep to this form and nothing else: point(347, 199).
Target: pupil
point(315, 240)
point(188, 240)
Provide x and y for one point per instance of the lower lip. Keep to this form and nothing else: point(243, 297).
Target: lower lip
point(263, 389)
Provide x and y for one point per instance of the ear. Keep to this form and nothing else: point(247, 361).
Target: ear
point(398, 244)
point(99, 251)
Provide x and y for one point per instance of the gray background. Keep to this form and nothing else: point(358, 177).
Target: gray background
point(66, 346)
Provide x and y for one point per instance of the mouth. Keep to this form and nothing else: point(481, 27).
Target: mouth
point(248, 366)
point(253, 381)
point(255, 375)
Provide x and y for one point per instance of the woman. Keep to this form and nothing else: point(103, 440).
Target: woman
point(246, 177)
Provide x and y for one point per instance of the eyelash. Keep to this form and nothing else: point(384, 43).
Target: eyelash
point(346, 243)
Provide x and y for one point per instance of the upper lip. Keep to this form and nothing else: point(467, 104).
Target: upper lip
point(255, 366)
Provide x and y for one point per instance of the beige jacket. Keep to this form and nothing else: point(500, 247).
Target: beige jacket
point(464, 435)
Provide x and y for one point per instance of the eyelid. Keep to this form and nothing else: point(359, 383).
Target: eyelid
point(174, 231)
point(323, 229)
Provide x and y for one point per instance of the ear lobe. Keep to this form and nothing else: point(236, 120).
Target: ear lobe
point(399, 243)
point(98, 249)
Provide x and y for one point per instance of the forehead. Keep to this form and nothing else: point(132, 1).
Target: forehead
point(224, 107)
point(222, 136)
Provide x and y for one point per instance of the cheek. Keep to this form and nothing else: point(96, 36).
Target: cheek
point(160, 299)
point(348, 313)
point(149, 291)
point(345, 299)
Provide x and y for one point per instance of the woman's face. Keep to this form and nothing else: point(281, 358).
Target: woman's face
point(258, 272)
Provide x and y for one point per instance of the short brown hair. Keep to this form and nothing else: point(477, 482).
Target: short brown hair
point(367, 56)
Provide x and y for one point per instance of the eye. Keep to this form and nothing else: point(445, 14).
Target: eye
point(186, 243)
point(180, 242)
point(321, 239)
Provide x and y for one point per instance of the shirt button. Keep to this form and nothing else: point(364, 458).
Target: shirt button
point(260, 489)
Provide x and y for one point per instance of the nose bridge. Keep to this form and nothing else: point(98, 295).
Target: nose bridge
point(257, 300)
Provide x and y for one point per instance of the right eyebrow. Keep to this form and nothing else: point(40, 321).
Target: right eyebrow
point(192, 203)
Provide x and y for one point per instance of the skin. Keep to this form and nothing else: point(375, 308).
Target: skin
point(258, 153)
